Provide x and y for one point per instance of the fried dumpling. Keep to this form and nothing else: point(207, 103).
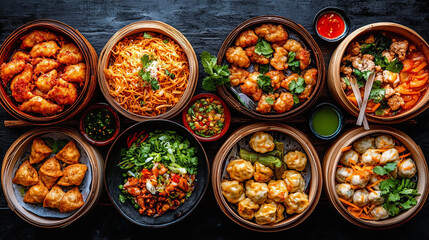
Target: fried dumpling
point(294, 181)
point(247, 208)
point(233, 191)
point(71, 200)
point(240, 169)
point(296, 203)
point(26, 175)
point(262, 173)
point(262, 142)
point(256, 191)
point(51, 168)
point(295, 160)
point(36, 194)
point(47, 180)
point(267, 214)
point(53, 199)
point(277, 190)
point(73, 175)
point(39, 151)
point(69, 154)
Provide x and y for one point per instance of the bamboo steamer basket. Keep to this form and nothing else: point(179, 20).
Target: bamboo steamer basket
point(16, 150)
point(332, 158)
point(315, 186)
point(335, 64)
point(309, 42)
point(90, 59)
point(106, 60)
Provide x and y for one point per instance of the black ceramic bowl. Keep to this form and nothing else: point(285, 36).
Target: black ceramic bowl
point(113, 176)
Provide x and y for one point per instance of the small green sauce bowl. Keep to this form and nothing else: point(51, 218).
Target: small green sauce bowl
point(339, 116)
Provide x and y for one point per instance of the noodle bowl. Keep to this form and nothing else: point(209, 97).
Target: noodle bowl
point(170, 68)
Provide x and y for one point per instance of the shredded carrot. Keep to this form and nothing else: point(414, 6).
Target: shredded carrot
point(349, 203)
point(344, 149)
point(405, 155)
point(400, 149)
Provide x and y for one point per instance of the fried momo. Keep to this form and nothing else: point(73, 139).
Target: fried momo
point(262, 173)
point(277, 190)
point(69, 154)
point(73, 175)
point(294, 181)
point(36, 194)
point(262, 142)
point(39, 151)
point(240, 169)
point(267, 214)
point(71, 200)
point(51, 168)
point(26, 175)
point(296, 160)
point(296, 203)
point(247, 208)
point(53, 199)
point(233, 191)
point(256, 191)
point(280, 209)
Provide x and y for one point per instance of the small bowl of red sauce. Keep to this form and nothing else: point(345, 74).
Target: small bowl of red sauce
point(207, 117)
point(331, 24)
point(100, 124)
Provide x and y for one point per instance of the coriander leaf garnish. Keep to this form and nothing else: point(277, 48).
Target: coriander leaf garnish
point(147, 35)
point(377, 93)
point(146, 75)
point(296, 87)
point(217, 74)
point(293, 63)
point(383, 170)
point(264, 82)
point(263, 48)
point(171, 75)
point(398, 194)
point(269, 100)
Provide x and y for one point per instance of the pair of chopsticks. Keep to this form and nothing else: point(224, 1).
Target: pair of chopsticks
point(362, 103)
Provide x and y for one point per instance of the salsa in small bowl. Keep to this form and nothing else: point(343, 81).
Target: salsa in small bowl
point(100, 124)
point(207, 117)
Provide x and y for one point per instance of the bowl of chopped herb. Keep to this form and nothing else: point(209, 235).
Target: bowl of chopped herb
point(100, 124)
point(207, 117)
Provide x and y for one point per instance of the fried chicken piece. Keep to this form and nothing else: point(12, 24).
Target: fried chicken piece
point(44, 49)
point(246, 38)
point(64, 93)
point(272, 33)
point(279, 61)
point(250, 86)
point(10, 69)
point(47, 81)
point(265, 103)
point(21, 86)
point(395, 102)
point(35, 37)
point(277, 78)
point(310, 76)
point(284, 102)
point(69, 54)
point(40, 105)
point(354, 49)
point(303, 56)
point(44, 65)
point(288, 79)
point(292, 45)
point(237, 56)
point(254, 57)
point(238, 75)
point(21, 55)
point(74, 73)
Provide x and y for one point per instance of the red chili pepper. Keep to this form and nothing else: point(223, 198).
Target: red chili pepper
point(175, 178)
point(132, 138)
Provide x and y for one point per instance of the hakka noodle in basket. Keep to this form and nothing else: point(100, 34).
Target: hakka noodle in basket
point(149, 74)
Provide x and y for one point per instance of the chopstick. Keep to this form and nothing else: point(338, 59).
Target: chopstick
point(356, 92)
point(368, 87)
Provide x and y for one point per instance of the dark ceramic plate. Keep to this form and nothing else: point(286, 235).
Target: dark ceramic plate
point(113, 176)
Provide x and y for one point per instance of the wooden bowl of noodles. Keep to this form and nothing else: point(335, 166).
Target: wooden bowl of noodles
point(295, 200)
point(148, 70)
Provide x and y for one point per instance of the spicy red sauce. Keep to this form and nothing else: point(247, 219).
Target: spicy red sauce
point(331, 25)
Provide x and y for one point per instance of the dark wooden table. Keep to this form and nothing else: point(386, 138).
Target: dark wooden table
point(206, 24)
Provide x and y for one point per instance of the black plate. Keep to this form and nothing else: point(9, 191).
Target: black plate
point(113, 176)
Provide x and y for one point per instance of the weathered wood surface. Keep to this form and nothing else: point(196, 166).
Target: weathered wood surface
point(206, 24)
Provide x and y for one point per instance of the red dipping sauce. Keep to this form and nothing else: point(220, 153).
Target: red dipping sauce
point(330, 25)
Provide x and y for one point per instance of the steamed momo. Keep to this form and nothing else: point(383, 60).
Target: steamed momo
point(360, 197)
point(407, 168)
point(256, 191)
point(345, 191)
point(343, 173)
point(363, 144)
point(240, 169)
point(262, 142)
point(233, 191)
point(349, 157)
point(384, 141)
point(389, 156)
